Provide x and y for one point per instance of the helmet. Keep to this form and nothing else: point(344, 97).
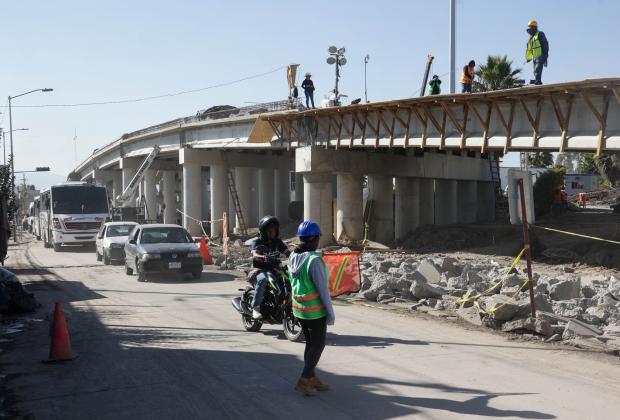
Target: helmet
point(308, 228)
point(532, 23)
point(267, 221)
point(472, 63)
point(308, 75)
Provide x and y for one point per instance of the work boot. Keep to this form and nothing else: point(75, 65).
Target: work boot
point(256, 314)
point(306, 387)
point(318, 385)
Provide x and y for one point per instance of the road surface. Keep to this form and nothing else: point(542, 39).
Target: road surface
point(175, 349)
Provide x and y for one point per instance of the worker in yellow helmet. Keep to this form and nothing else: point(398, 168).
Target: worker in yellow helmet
point(537, 50)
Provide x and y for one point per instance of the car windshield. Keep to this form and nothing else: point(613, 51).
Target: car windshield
point(119, 230)
point(79, 199)
point(165, 235)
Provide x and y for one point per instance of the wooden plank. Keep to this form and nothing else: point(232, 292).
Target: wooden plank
point(431, 117)
point(485, 138)
point(339, 130)
point(378, 130)
point(362, 126)
point(353, 120)
point(406, 139)
point(601, 133)
point(442, 139)
point(423, 123)
point(464, 133)
point(616, 91)
point(392, 132)
point(586, 98)
point(536, 125)
point(455, 122)
point(383, 123)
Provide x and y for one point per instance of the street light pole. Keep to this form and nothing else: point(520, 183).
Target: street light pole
point(365, 86)
point(452, 45)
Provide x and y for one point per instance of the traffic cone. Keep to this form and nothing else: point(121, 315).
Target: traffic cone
point(60, 348)
point(204, 250)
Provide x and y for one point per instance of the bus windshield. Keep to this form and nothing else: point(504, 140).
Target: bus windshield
point(79, 200)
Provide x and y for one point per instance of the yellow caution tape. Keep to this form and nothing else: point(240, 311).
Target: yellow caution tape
point(510, 299)
point(577, 234)
point(499, 282)
point(200, 222)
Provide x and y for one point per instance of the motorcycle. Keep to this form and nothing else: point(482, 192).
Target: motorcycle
point(276, 307)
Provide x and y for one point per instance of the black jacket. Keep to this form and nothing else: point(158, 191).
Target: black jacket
point(307, 85)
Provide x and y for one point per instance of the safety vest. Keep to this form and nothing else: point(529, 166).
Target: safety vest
point(467, 75)
point(534, 49)
point(307, 303)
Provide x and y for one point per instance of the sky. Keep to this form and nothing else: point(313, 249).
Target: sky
point(94, 51)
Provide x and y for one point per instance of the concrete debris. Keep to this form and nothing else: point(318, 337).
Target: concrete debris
point(420, 289)
point(536, 325)
point(470, 314)
point(579, 329)
point(566, 289)
point(501, 307)
point(429, 272)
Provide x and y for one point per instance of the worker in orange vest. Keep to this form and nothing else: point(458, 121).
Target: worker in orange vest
point(467, 77)
point(582, 200)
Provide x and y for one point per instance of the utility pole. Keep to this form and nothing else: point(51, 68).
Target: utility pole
point(452, 45)
point(75, 145)
point(365, 86)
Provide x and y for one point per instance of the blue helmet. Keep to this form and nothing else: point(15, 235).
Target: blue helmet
point(308, 228)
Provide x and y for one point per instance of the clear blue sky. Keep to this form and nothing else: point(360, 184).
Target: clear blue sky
point(106, 50)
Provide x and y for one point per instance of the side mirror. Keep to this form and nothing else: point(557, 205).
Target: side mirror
point(132, 241)
point(100, 237)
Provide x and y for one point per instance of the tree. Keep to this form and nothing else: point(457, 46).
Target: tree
point(568, 161)
point(586, 164)
point(496, 74)
point(540, 159)
point(609, 167)
point(6, 188)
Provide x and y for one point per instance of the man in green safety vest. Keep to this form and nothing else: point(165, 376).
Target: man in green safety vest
point(537, 50)
point(311, 302)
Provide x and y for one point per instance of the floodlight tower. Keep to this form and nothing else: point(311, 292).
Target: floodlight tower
point(336, 56)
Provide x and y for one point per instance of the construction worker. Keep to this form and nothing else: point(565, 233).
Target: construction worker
point(434, 86)
point(264, 248)
point(582, 200)
point(308, 87)
point(467, 77)
point(564, 198)
point(537, 50)
point(311, 302)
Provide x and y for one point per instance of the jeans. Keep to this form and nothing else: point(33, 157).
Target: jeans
point(259, 290)
point(538, 69)
point(309, 98)
point(465, 87)
point(315, 331)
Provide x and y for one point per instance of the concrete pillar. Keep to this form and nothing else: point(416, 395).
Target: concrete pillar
point(192, 197)
point(117, 185)
point(426, 201)
point(381, 192)
point(467, 199)
point(170, 197)
point(219, 196)
point(150, 194)
point(349, 207)
point(407, 209)
point(244, 182)
point(282, 194)
point(318, 203)
point(298, 194)
point(446, 204)
point(486, 202)
point(127, 174)
point(266, 194)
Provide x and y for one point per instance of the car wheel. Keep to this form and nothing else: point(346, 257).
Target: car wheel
point(196, 275)
point(128, 270)
point(106, 258)
point(98, 255)
point(57, 247)
point(141, 274)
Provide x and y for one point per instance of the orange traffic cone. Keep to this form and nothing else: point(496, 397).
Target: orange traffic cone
point(60, 348)
point(204, 250)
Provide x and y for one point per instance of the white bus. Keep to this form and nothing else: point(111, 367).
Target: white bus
point(72, 213)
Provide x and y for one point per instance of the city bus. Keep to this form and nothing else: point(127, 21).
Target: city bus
point(71, 213)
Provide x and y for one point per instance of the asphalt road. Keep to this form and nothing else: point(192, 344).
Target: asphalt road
point(175, 349)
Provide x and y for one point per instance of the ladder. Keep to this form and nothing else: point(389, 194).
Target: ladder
point(501, 202)
point(232, 188)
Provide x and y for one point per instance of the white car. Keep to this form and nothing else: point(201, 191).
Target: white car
point(110, 243)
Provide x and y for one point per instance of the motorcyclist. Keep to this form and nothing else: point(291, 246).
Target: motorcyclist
point(264, 247)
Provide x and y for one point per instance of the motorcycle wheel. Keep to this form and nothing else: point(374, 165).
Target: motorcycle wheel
point(292, 329)
point(250, 324)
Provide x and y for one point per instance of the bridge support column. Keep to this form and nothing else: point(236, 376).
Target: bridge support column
point(349, 207)
point(192, 197)
point(467, 202)
point(486, 202)
point(445, 201)
point(381, 192)
point(244, 182)
point(150, 196)
point(265, 192)
point(117, 185)
point(219, 197)
point(127, 175)
point(282, 194)
point(426, 201)
point(170, 197)
point(406, 213)
point(298, 194)
point(318, 203)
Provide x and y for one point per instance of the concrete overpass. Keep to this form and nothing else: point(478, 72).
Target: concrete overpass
point(426, 160)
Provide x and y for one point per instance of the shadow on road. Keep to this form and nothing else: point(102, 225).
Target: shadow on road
point(341, 340)
point(207, 277)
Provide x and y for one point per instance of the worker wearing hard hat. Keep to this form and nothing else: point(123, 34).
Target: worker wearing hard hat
point(537, 50)
point(308, 87)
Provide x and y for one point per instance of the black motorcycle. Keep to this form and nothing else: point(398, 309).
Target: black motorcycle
point(276, 307)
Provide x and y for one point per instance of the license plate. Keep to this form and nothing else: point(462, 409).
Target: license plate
point(174, 265)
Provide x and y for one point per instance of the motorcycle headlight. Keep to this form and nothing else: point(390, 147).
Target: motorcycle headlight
point(147, 257)
point(194, 255)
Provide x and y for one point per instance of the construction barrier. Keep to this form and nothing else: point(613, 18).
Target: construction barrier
point(204, 251)
point(564, 232)
point(344, 272)
point(60, 347)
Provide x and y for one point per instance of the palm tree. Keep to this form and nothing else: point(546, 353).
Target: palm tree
point(496, 74)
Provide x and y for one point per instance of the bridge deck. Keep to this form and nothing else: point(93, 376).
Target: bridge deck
point(577, 116)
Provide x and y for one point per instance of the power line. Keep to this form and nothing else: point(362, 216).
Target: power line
point(149, 98)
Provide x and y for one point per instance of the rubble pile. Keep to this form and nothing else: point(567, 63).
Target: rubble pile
point(487, 294)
